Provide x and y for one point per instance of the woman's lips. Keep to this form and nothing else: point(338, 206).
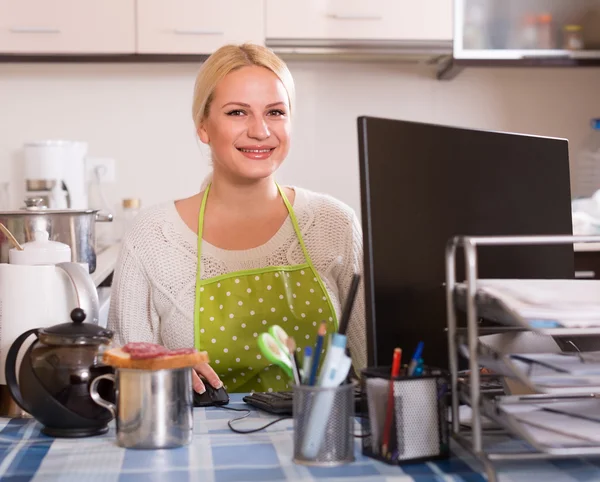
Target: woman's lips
point(256, 153)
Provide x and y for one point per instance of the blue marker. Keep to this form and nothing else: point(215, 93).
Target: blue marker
point(415, 359)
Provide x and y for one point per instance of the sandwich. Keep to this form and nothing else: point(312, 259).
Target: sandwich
point(150, 356)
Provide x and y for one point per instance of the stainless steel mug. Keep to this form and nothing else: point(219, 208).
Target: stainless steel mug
point(154, 409)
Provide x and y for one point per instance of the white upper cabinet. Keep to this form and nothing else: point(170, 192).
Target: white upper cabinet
point(197, 26)
point(67, 26)
point(359, 19)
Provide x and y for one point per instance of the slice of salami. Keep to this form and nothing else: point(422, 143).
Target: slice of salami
point(141, 346)
point(142, 351)
point(182, 351)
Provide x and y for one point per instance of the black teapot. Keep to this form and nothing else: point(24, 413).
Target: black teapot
point(55, 376)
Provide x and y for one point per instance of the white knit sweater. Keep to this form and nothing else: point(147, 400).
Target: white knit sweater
point(154, 284)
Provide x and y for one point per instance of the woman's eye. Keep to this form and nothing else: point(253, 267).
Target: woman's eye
point(276, 112)
point(236, 112)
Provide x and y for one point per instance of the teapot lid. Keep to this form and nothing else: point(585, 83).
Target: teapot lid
point(41, 251)
point(75, 332)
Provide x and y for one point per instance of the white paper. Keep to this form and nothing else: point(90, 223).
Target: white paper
point(377, 396)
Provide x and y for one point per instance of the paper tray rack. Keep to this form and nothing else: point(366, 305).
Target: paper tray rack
point(473, 442)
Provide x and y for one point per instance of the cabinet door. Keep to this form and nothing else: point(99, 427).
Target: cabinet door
point(197, 26)
point(359, 19)
point(67, 26)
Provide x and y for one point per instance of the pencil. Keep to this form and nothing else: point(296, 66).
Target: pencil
point(317, 353)
point(343, 326)
point(390, 402)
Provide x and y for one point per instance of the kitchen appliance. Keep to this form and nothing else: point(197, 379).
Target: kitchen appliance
point(34, 292)
point(76, 228)
point(55, 173)
point(55, 375)
point(153, 409)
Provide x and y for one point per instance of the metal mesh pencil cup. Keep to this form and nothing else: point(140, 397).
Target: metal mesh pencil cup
point(323, 425)
point(419, 428)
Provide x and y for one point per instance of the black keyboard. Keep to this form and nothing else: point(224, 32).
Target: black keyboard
point(282, 403)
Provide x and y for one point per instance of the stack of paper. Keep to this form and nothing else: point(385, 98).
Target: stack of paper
point(559, 372)
point(558, 424)
point(544, 303)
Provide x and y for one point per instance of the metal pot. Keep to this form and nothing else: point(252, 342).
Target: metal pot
point(75, 227)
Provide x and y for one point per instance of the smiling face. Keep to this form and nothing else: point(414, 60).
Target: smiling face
point(248, 124)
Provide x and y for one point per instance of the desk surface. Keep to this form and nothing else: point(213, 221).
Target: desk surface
point(219, 455)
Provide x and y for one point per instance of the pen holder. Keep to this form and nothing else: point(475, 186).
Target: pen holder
point(418, 428)
point(323, 425)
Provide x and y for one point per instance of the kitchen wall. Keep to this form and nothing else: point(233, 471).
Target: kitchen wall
point(140, 115)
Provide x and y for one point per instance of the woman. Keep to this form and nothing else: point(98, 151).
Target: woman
point(217, 269)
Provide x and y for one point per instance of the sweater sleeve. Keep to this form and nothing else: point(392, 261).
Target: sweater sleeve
point(132, 315)
point(356, 331)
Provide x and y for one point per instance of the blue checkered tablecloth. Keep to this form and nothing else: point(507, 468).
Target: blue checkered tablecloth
point(219, 455)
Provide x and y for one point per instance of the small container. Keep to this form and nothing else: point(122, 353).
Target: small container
point(545, 37)
point(419, 428)
point(154, 408)
point(573, 37)
point(323, 425)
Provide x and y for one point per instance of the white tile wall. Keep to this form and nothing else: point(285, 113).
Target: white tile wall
point(140, 115)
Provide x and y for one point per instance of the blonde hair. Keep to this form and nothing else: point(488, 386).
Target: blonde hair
point(227, 59)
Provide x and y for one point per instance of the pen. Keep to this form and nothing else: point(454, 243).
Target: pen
point(317, 354)
point(415, 359)
point(390, 401)
point(291, 346)
point(306, 364)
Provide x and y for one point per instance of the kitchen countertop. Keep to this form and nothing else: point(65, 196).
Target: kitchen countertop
point(218, 455)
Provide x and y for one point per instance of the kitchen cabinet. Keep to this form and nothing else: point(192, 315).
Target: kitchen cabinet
point(67, 26)
point(359, 20)
point(197, 26)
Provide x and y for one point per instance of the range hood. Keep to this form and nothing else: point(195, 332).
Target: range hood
point(399, 30)
point(410, 51)
point(523, 33)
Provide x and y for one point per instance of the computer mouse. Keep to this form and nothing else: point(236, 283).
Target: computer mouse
point(212, 396)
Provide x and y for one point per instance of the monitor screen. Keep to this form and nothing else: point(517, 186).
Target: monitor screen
point(422, 184)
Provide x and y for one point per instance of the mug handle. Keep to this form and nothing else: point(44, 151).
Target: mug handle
point(96, 396)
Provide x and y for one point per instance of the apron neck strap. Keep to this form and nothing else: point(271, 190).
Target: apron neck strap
point(287, 205)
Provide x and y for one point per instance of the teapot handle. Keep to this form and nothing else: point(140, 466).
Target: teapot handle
point(96, 396)
point(10, 368)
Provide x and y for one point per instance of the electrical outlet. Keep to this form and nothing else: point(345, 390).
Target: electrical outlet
point(100, 168)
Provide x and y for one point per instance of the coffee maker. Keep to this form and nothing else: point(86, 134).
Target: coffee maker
point(55, 174)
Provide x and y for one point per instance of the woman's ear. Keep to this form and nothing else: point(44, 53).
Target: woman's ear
point(203, 134)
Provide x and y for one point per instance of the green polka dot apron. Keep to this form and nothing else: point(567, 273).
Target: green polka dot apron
point(232, 310)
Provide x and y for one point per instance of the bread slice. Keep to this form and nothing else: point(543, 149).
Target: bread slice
point(117, 358)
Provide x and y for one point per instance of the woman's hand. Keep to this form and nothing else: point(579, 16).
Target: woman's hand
point(204, 370)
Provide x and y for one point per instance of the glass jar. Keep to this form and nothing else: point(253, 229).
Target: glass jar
point(573, 37)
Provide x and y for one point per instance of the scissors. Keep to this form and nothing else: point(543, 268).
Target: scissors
point(272, 346)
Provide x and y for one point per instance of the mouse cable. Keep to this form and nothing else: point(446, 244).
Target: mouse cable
point(247, 414)
point(272, 422)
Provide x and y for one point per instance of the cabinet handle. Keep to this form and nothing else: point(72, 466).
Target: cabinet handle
point(349, 16)
point(197, 31)
point(34, 30)
point(585, 274)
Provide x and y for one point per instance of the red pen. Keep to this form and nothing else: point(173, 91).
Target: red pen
point(390, 402)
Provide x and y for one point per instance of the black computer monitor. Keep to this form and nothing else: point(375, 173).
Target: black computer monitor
point(422, 184)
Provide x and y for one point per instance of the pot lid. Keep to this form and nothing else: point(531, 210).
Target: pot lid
point(41, 251)
point(75, 332)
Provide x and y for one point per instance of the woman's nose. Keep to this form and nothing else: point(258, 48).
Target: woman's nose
point(258, 129)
